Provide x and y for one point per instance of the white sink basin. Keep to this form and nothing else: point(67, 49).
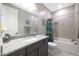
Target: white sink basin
point(30, 39)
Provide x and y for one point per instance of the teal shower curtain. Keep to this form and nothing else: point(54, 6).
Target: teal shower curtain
point(49, 30)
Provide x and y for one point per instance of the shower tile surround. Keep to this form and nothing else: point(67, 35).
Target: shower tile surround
point(64, 22)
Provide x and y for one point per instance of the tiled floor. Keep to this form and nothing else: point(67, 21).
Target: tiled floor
point(64, 48)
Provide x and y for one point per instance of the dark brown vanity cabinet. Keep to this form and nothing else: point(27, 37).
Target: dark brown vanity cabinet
point(21, 52)
point(43, 50)
point(33, 53)
point(39, 48)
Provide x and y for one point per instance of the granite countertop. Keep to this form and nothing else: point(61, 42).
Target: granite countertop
point(20, 43)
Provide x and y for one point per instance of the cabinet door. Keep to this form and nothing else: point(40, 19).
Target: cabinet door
point(21, 52)
point(33, 53)
point(34, 46)
point(43, 50)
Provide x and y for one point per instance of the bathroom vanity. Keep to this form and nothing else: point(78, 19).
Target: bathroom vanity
point(15, 21)
point(34, 46)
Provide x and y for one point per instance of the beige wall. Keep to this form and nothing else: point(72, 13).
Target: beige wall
point(42, 8)
point(76, 31)
point(64, 22)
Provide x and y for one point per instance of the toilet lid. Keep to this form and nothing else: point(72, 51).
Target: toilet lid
point(52, 44)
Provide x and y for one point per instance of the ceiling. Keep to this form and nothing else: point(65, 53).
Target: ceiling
point(56, 6)
point(51, 6)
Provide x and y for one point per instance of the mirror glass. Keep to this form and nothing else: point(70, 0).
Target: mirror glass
point(17, 21)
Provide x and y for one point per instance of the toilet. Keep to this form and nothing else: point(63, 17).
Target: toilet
point(52, 44)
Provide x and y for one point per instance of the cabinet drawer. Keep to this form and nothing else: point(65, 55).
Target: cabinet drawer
point(34, 46)
point(21, 52)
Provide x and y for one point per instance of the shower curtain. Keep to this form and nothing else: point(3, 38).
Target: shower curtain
point(49, 30)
